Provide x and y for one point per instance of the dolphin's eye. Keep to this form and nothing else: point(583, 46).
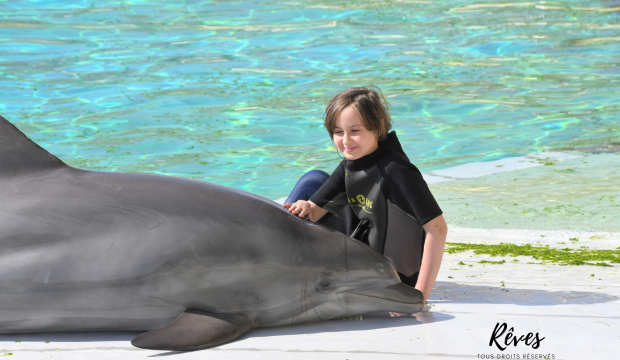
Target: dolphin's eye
point(325, 274)
point(325, 283)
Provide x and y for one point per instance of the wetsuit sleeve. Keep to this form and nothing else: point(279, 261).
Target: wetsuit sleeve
point(332, 195)
point(407, 189)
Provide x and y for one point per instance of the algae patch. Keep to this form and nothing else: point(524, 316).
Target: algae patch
point(566, 256)
point(491, 262)
point(351, 318)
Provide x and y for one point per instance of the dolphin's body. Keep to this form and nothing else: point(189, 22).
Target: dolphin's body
point(109, 251)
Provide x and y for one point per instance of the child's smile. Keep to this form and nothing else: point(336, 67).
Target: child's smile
point(351, 136)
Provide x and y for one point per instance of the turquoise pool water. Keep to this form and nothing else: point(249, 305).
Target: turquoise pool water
point(234, 92)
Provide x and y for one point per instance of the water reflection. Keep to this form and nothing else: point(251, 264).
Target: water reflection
point(219, 91)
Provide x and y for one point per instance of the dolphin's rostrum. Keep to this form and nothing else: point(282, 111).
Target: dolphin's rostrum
point(193, 263)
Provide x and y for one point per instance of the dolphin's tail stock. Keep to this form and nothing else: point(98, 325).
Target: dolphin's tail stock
point(19, 155)
point(195, 330)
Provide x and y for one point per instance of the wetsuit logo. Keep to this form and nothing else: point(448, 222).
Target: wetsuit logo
point(362, 202)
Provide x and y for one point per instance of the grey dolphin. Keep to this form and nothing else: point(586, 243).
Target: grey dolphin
point(193, 263)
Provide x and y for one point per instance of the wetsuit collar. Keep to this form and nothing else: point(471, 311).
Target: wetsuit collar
point(389, 143)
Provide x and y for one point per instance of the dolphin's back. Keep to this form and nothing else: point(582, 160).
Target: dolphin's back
point(94, 250)
point(19, 155)
point(125, 251)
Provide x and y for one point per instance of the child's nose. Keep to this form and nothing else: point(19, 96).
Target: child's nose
point(346, 139)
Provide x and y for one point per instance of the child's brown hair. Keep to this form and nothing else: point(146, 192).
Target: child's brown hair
point(367, 102)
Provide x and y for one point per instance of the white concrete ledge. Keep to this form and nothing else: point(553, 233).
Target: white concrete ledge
point(477, 169)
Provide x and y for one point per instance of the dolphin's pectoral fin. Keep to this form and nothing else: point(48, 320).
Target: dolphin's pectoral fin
point(195, 330)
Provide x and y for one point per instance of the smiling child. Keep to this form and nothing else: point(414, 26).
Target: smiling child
point(376, 194)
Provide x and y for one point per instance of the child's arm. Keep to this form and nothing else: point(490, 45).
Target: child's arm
point(304, 208)
point(436, 232)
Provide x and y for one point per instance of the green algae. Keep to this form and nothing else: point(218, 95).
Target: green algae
point(491, 262)
point(565, 256)
point(351, 318)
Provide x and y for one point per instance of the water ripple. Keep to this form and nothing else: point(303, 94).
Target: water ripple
point(234, 92)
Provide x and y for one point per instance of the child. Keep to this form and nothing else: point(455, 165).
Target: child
point(379, 197)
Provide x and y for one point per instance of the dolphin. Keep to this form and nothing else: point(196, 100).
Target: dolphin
point(193, 264)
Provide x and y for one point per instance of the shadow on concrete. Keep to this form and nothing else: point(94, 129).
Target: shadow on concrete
point(72, 337)
point(380, 320)
point(467, 294)
point(369, 321)
point(447, 292)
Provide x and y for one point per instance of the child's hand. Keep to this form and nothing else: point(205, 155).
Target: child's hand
point(300, 207)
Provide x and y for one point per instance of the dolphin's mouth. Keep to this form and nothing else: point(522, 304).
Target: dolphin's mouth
point(410, 302)
point(396, 293)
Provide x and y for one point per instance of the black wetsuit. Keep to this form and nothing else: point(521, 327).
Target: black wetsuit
point(391, 201)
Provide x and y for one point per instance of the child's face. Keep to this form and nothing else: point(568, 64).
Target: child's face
point(351, 137)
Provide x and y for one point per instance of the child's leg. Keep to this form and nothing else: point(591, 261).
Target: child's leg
point(307, 185)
